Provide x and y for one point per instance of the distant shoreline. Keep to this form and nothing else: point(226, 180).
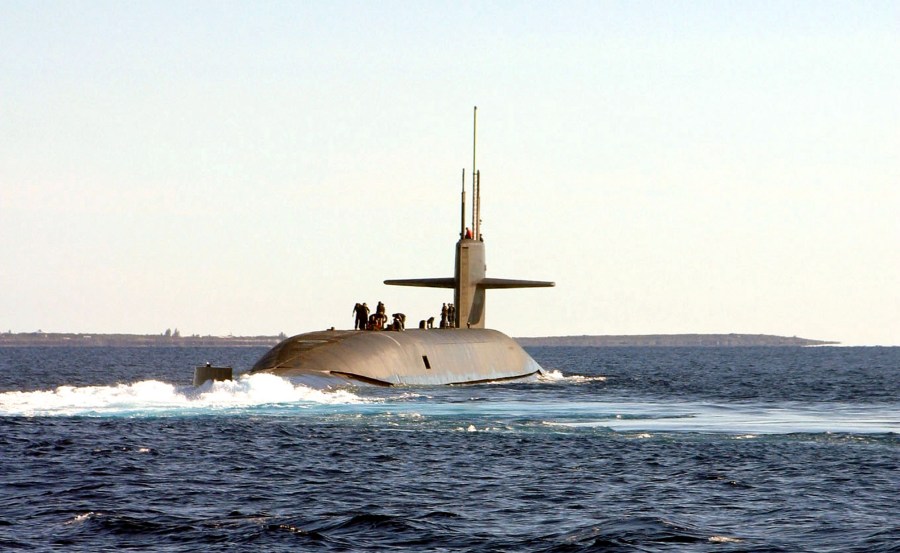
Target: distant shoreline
point(48, 339)
point(675, 340)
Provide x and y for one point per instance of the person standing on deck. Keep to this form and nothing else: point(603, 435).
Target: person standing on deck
point(362, 316)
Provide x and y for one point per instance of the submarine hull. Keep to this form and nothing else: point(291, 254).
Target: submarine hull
point(416, 357)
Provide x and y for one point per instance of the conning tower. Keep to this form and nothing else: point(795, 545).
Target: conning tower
point(470, 282)
point(418, 357)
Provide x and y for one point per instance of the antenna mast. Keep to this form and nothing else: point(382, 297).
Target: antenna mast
point(476, 190)
point(478, 203)
point(462, 217)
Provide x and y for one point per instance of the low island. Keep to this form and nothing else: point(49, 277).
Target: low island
point(675, 340)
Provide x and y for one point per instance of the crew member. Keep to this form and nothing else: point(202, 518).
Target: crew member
point(399, 321)
point(444, 312)
point(362, 315)
point(376, 321)
point(359, 323)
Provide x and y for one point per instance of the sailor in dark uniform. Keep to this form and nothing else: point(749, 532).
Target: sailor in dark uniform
point(356, 309)
point(362, 316)
point(399, 322)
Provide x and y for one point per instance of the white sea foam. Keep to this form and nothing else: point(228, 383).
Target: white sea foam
point(558, 376)
point(80, 518)
point(746, 421)
point(724, 539)
point(153, 397)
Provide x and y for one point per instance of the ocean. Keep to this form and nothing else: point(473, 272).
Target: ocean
point(631, 449)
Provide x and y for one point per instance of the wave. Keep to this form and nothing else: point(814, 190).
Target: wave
point(152, 397)
point(745, 421)
point(558, 376)
point(444, 408)
point(420, 529)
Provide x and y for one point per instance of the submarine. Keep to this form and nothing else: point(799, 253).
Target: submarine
point(463, 351)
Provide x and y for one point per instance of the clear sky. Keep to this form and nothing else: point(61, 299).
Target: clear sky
point(259, 167)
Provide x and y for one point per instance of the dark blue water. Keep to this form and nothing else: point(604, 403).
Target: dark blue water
point(657, 449)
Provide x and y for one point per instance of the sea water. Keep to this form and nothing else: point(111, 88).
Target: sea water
point(631, 449)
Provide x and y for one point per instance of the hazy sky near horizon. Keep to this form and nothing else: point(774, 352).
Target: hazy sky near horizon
point(259, 167)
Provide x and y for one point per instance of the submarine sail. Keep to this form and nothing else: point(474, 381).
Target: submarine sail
point(461, 352)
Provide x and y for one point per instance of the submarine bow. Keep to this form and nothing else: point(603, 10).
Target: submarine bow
point(412, 357)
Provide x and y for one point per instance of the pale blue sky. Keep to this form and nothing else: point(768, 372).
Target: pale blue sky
point(253, 168)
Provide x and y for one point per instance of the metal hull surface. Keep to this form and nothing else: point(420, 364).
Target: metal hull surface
point(408, 358)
